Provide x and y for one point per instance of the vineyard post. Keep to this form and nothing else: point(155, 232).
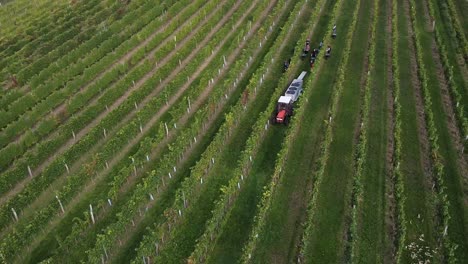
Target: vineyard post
point(185, 201)
point(92, 213)
point(66, 167)
point(73, 134)
point(167, 130)
point(60, 203)
point(15, 214)
point(30, 172)
point(105, 252)
point(109, 201)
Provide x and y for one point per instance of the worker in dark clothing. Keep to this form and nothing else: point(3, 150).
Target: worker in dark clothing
point(328, 52)
point(313, 55)
point(306, 49)
point(286, 64)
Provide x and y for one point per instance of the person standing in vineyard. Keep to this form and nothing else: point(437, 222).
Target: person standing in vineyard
point(328, 52)
point(334, 31)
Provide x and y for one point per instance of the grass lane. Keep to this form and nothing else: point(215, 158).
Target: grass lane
point(284, 219)
point(372, 242)
point(453, 174)
point(418, 199)
point(241, 219)
point(332, 210)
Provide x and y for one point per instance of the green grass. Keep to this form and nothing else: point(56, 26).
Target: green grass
point(418, 204)
point(328, 239)
point(459, 221)
point(284, 219)
point(183, 242)
point(228, 247)
point(455, 60)
point(332, 205)
point(192, 227)
point(371, 216)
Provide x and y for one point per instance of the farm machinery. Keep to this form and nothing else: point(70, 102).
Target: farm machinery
point(285, 105)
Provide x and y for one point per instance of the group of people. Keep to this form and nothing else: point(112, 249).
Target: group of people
point(315, 51)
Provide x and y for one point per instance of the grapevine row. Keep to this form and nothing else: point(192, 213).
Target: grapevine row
point(362, 154)
point(224, 205)
point(75, 180)
point(78, 122)
point(398, 175)
point(55, 41)
point(61, 77)
point(459, 106)
point(137, 162)
point(81, 99)
point(57, 167)
point(173, 157)
point(433, 136)
point(336, 94)
point(271, 190)
point(458, 26)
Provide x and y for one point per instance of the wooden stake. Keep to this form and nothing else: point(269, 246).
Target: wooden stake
point(92, 213)
point(60, 203)
point(15, 214)
point(30, 172)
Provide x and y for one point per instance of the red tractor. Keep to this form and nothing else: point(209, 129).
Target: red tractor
point(285, 105)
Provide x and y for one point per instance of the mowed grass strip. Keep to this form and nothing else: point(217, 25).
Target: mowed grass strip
point(332, 206)
point(458, 229)
point(236, 231)
point(283, 222)
point(417, 207)
point(183, 240)
point(372, 241)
